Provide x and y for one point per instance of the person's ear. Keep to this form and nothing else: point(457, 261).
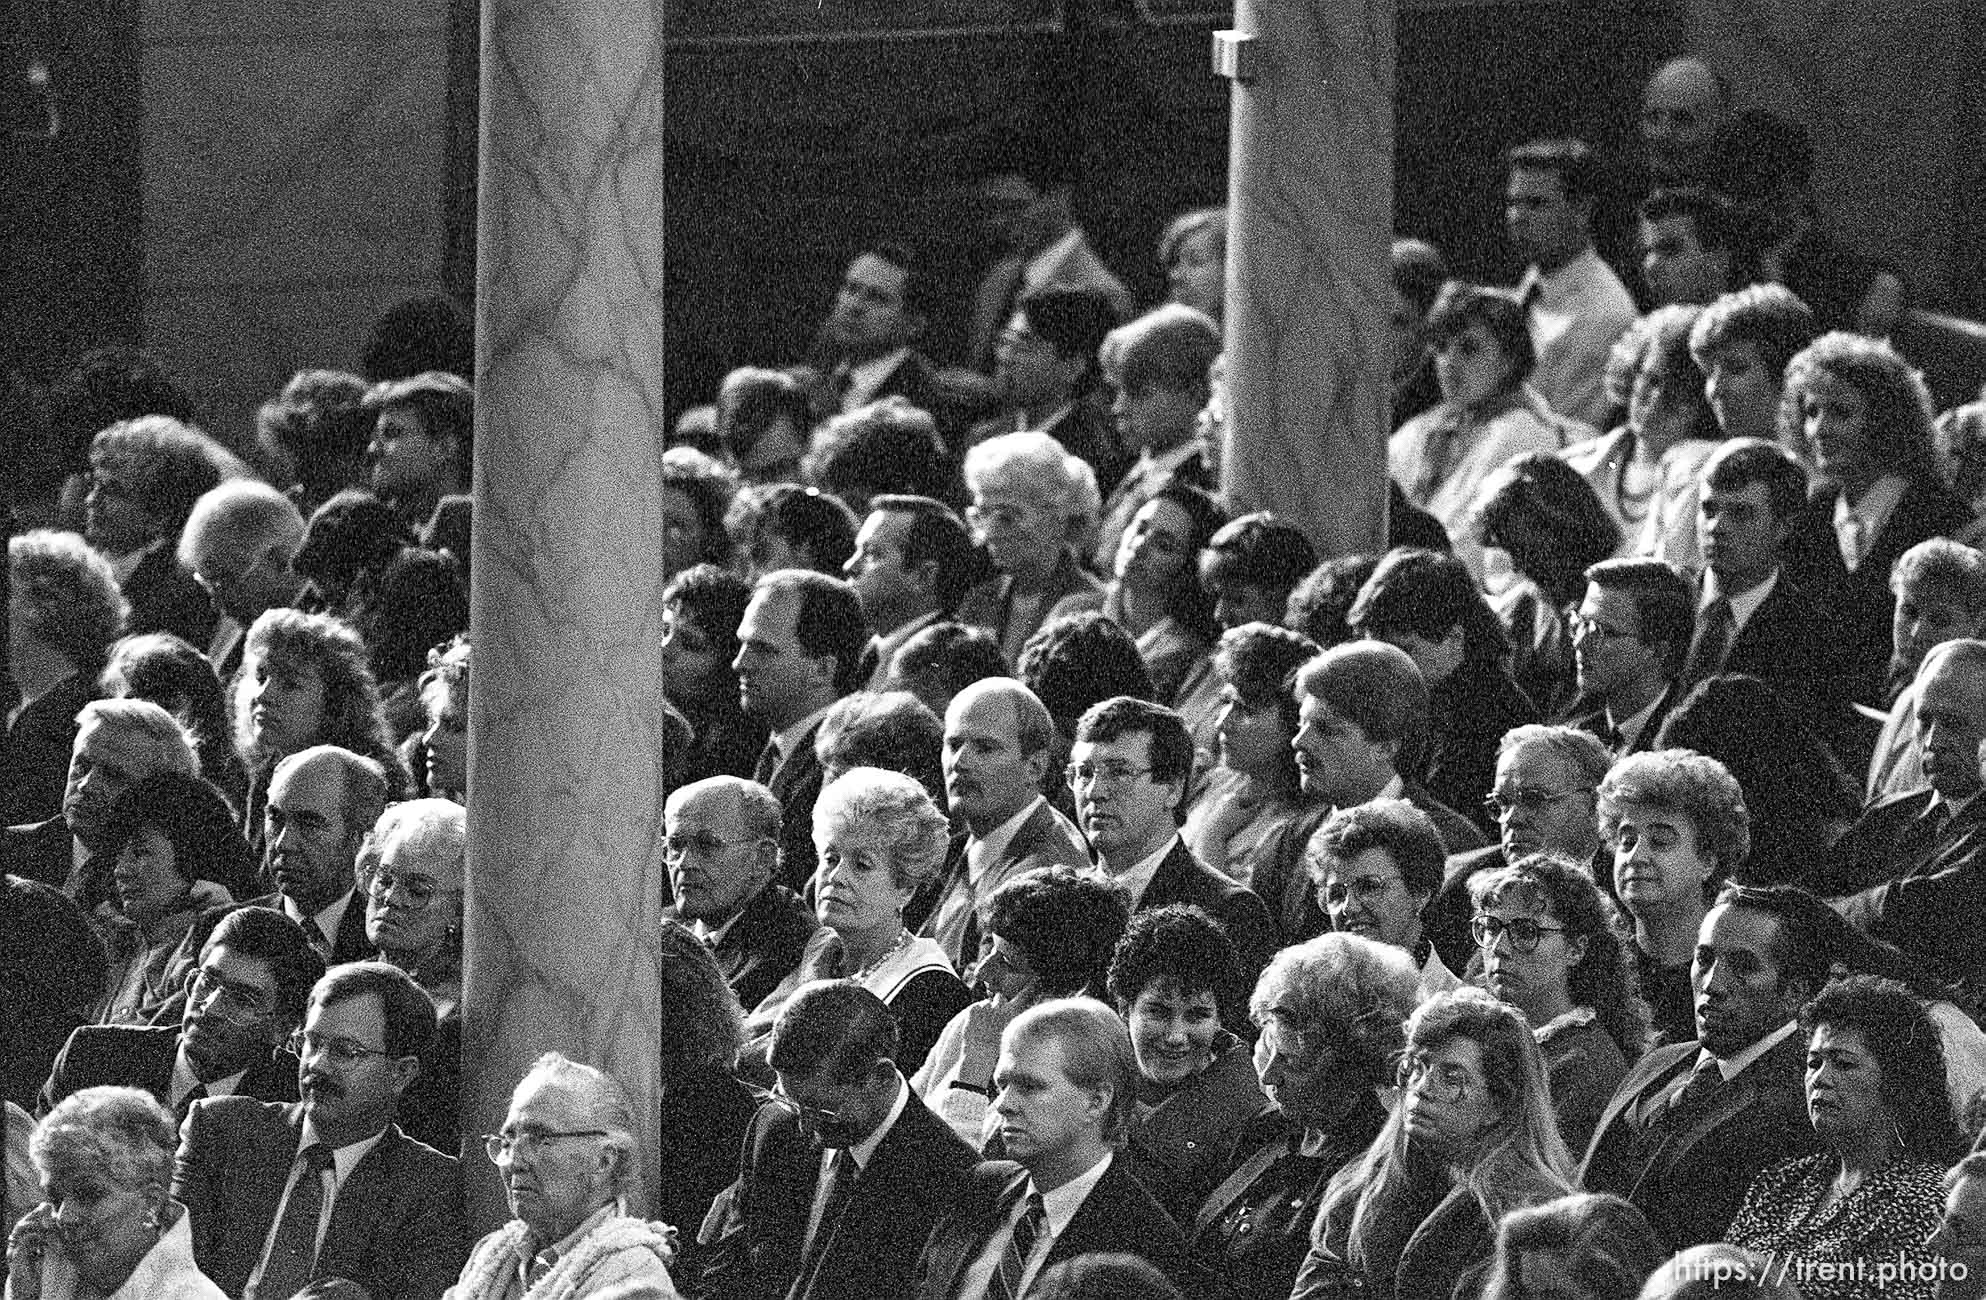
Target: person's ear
point(765, 855)
point(405, 1070)
point(1576, 950)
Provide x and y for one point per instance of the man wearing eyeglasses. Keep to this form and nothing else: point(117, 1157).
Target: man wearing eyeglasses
point(722, 850)
point(328, 1193)
point(244, 999)
point(1630, 638)
point(1129, 768)
point(845, 1169)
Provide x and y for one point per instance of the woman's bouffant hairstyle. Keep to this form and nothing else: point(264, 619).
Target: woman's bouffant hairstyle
point(896, 811)
point(164, 669)
point(1605, 1244)
point(1683, 781)
point(1261, 662)
point(706, 1026)
point(1604, 977)
point(196, 819)
point(1574, 528)
point(1519, 1160)
point(1344, 993)
point(122, 1133)
point(1900, 411)
point(1909, 1051)
point(167, 464)
point(1178, 942)
point(352, 717)
point(1066, 921)
point(66, 595)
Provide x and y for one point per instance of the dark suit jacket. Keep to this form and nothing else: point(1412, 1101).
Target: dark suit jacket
point(797, 784)
point(165, 598)
point(1890, 841)
point(34, 762)
point(42, 851)
point(1594, 722)
point(141, 1056)
point(1182, 879)
point(349, 943)
point(1934, 904)
point(396, 1228)
point(763, 945)
point(1801, 651)
point(1041, 841)
point(1468, 716)
point(1119, 1215)
point(1690, 1179)
point(51, 972)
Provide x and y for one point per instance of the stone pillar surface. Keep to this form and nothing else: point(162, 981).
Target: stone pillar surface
point(1309, 295)
point(565, 809)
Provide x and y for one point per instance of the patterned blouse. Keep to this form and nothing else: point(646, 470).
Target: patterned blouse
point(1870, 1244)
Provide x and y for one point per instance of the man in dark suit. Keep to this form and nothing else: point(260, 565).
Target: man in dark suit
point(1630, 638)
point(248, 992)
point(800, 649)
point(322, 801)
point(723, 850)
point(846, 1169)
point(999, 740)
point(240, 542)
point(256, 1177)
point(1066, 1088)
point(1912, 864)
point(1753, 618)
point(1129, 767)
point(1693, 1123)
point(867, 347)
point(913, 561)
point(51, 976)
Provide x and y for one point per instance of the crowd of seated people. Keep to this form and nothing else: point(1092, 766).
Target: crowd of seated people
point(1074, 881)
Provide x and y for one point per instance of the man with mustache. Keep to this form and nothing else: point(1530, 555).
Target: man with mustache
point(322, 801)
point(246, 997)
point(998, 743)
point(845, 1169)
point(327, 1193)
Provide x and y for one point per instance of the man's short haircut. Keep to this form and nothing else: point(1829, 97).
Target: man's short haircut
point(272, 938)
point(166, 464)
point(1950, 568)
point(1034, 725)
point(171, 744)
point(833, 1029)
point(1076, 660)
point(446, 404)
point(1070, 318)
point(1663, 599)
point(1899, 416)
point(917, 286)
point(1568, 157)
point(829, 622)
point(363, 782)
point(1375, 687)
point(1581, 749)
point(888, 446)
point(320, 422)
point(1498, 311)
point(1419, 271)
point(1741, 462)
point(804, 516)
point(1257, 550)
point(753, 399)
point(1065, 922)
point(1169, 347)
point(1721, 226)
point(1320, 604)
point(66, 596)
point(1770, 317)
point(893, 730)
point(936, 535)
point(243, 518)
point(409, 1010)
point(1429, 594)
point(956, 654)
point(757, 809)
point(1685, 782)
point(1030, 464)
point(1096, 1053)
point(1124, 715)
point(713, 598)
point(1402, 831)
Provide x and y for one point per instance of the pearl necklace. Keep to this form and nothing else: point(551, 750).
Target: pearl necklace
point(869, 968)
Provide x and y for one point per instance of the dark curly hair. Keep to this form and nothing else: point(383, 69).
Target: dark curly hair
point(1261, 662)
point(196, 820)
point(1078, 660)
point(1908, 1049)
point(706, 1025)
point(1068, 922)
point(1321, 604)
point(1182, 943)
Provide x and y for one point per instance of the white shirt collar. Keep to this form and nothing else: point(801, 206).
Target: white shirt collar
point(866, 378)
point(865, 1150)
point(185, 1079)
point(1061, 1204)
point(1743, 605)
point(1732, 1066)
point(343, 1159)
point(327, 918)
point(1556, 288)
point(1629, 728)
point(1043, 264)
point(1869, 515)
point(1139, 878)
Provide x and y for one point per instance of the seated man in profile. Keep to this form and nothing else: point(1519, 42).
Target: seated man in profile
point(723, 854)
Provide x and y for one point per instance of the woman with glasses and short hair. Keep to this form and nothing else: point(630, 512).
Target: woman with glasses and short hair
point(1032, 502)
point(1548, 947)
point(1473, 1138)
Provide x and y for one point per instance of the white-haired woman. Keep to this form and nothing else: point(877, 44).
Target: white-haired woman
point(1031, 504)
point(1472, 1139)
point(879, 837)
point(107, 1227)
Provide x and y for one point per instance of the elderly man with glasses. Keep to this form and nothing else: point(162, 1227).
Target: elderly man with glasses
point(327, 1194)
point(567, 1156)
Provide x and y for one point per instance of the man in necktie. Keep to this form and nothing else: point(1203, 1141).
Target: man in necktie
point(1940, 591)
point(328, 1193)
point(1630, 637)
point(1694, 1122)
point(913, 560)
point(722, 850)
point(845, 1169)
point(322, 802)
point(246, 996)
point(1065, 1093)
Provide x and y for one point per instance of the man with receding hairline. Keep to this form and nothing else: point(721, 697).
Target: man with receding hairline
point(1684, 107)
point(722, 849)
point(322, 801)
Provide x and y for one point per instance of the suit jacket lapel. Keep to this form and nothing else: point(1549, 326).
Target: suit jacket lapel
point(360, 1202)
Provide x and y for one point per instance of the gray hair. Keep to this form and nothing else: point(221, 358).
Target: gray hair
point(171, 743)
point(123, 1133)
point(607, 1107)
point(1033, 464)
point(898, 811)
point(428, 830)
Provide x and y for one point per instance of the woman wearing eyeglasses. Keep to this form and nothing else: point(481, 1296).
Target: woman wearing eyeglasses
point(1031, 501)
point(1548, 945)
point(1472, 1139)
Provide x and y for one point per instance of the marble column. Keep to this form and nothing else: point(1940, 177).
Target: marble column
point(1309, 294)
point(565, 810)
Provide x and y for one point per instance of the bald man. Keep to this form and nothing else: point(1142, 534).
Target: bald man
point(723, 855)
point(322, 801)
point(1683, 108)
point(997, 749)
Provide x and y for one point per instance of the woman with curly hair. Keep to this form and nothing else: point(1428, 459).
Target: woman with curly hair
point(164, 669)
point(1032, 505)
point(696, 493)
point(1550, 948)
point(1859, 414)
point(1330, 1012)
point(1255, 791)
point(305, 681)
point(1877, 1100)
point(1155, 593)
point(1174, 977)
point(1472, 1139)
